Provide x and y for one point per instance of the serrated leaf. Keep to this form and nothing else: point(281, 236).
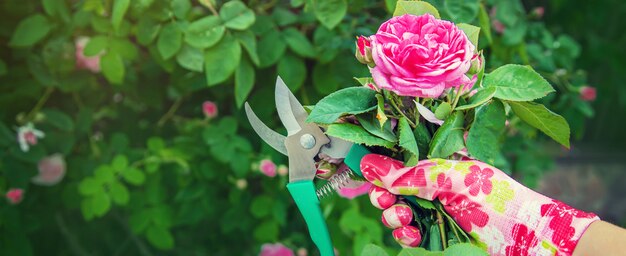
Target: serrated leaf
point(244, 81)
point(406, 138)
point(462, 10)
point(485, 23)
point(356, 134)
point(95, 46)
point(119, 193)
point(271, 48)
point(134, 176)
point(370, 124)
point(415, 8)
point(443, 110)
point(191, 58)
point(351, 100)
point(517, 83)
point(482, 138)
point(180, 8)
point(112, 67)
point(448, 138)
point(471, 32)
point(100, 203)
point(119, 10)
point(329, 12)
point(292, 70)
point(236, 15)
point(160, 237)
point(538, 116)
point(170, 41)
point(204, 33)
point(298, 43)
point(119, 163)
point(481, 96)
point(248, 41)
point(228, 54)
point(147, 30)
point(30, 31)
point(89, 186)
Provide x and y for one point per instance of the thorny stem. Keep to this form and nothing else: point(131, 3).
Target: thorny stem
point(42, 101)
point(395, 106)
point(170, 112)
point(442, 230)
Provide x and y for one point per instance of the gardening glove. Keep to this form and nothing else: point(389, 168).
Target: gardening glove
point(506, 217)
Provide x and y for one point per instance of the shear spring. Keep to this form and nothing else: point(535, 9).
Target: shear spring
point(335, 183)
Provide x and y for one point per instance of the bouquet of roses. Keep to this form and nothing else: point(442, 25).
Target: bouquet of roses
point(429, 98)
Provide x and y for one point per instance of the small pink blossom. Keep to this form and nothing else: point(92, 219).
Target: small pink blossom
point(420, 56)
point(15, 195)
point(588, 93)
point(539, 11)
point(268, 167)
point(27, 136)
point(209, 108)
point(276, 249)
point(282, 170)
point(83, 62)
point(51, 170)
point(363, 50)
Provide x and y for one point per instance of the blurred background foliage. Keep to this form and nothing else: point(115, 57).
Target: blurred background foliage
point(142, 100)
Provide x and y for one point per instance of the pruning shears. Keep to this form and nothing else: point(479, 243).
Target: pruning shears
point(304, 141)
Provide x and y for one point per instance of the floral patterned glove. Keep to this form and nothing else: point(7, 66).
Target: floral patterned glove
point(509, 218)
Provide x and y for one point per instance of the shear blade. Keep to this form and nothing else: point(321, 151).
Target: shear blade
point(284, 97)
point(272, 138)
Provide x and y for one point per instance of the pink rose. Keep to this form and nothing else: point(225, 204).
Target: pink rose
point(83, 62)
point(539, 11)
point(276, 249)
point(363, 50)
point(588, 93)
point(51, 170)
point(420, 56)
point(268, 167)
point(209, 108)
point(15, 195)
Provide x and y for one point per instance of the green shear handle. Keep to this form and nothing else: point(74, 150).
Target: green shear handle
point(303, 193)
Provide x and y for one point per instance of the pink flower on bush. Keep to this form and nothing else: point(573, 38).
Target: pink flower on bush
point(51, 170)
point(268, 167)
point(276, 249)
point(420, 56)
point(83, 62)
point(588, 93)
point(15, 195)
point(209, 108)
point(27, 136)
point(364, 50)
point(539, 11)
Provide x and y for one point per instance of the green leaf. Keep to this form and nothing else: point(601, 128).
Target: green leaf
point(485, 23)
point(465, 249)
point(370, 124)
point(244, 81)
point(204, 33)
point(418, 252)
point(471, 32)
point(147, 30)
point(448, 138)
point(134, 176)
point(373, 250)
point(236, 15)
point(30, 31)
point(292, 70)
point(170, 40)
point(482, 95)
point(100, 203)
point(190, 58)
point(104, 174)
point(462, 10)
point(221, 60)
point(180, 8)
point(324, 78)
point(59, 119)
point(119, 163)
point(517, 83)
point(119, 193)
point(155, 144)
point(268, 231)
point(538, 116)
point(356, 134)
point(261, 206)
point(482, 138)
point(89, 186)
point(125, 48)
point(271, 48)
point(112, 67)
point(119, 10)
point(248, 41)
point(160, 237)
point(443, 110)
point(423, 137)
point(298, 43)
point(95, 46)
point(351, 100)
point(415, 8)
point(329, 12)
point(434, 238)
point(406, 137)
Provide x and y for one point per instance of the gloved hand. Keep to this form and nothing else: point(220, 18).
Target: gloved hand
point(509, 218)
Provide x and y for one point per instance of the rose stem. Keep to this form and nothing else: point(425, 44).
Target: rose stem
point(457, 96)
point(442, 230)
point(393, 103)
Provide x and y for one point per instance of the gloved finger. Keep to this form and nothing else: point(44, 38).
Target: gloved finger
point(392, 175)
point(397, 216)
point(407, 236)
point(381, 198)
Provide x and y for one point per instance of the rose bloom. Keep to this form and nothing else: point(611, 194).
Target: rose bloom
point(83, 62)
point(51, 170)
point(276, 249)
point(15, 195)
point(588, 93)
point(420, 56)
point(267, 167)
point(209, 108)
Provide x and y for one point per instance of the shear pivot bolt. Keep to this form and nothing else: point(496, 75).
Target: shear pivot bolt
point(307, 141)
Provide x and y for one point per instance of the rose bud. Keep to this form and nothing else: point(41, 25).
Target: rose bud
point(588, 93)
point(364, 50)
point(407, 236)
point(325, 170)
point(381, 198)
point(397, 216)
point(15, 195)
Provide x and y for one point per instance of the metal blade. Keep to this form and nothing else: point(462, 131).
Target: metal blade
point(337, 148)
point(272, 138)
point(284, 107)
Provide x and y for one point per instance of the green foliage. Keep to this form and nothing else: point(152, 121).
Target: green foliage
point(415, 8)
point(449, 138)
point(543, 119)
point(352, 100)
point(482, 138)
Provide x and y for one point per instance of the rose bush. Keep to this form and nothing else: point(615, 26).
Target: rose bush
point(420, 56)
